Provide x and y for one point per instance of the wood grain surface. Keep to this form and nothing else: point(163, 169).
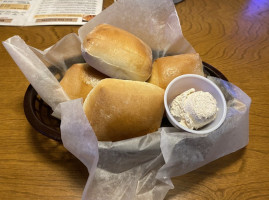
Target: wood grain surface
point(230, 35)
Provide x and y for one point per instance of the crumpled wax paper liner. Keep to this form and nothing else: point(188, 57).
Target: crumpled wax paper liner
point(138, 168)
point(154, 21)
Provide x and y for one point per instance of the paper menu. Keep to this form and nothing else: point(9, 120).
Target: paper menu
point(48, 12)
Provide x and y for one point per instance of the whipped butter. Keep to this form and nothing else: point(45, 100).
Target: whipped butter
point(194, 109)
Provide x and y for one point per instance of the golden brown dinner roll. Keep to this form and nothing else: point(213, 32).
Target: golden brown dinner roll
point(117, 53)
point(79, 79)
point(165, 69)
point(121, 109)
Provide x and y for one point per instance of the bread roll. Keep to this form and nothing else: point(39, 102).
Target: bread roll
point(121, 109)
point(79, 80)
point(117, 53)
point(165, 69)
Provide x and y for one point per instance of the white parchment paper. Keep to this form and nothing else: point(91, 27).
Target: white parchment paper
point(138, 168)
point(154, 21)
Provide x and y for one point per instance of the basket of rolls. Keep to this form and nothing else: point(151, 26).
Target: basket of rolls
point(103, 98)
point(130, 86)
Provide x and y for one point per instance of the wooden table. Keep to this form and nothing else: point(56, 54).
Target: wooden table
point(230, 35)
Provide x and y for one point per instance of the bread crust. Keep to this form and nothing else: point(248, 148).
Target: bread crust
point(79, 80)
point(122, 109)
point(165, 69)
point(117, 50)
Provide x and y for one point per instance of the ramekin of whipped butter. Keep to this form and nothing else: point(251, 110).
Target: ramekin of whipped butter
point(194, 104)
